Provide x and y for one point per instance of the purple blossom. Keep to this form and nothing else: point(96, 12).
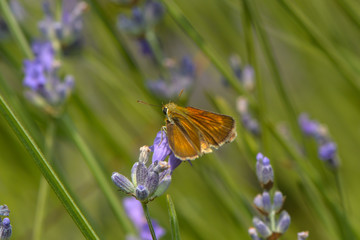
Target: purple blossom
point(135, 212)
point(326, 147)
point(34, 74)
point(68, 29)
point(308, 126)
point(181, 78)
point(327, 151)
point(42, 78)
point(162, 150)
point(244, 73)
point(44, 54)
point(142, 19)
point(144, 46)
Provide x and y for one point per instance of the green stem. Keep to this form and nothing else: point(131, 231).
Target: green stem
point(252, 59)
point(43, 186)
point(15, 29)
point(272, 220)
point(340, 189)
point(175, 230)
point(254, 16)
point(323, 43)
point(101, 177)
point(176, 13)
point(153, 41)
point(47, 171)
point(148, 219)
point(40, 208)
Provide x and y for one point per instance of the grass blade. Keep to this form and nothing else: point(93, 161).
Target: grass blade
point(175, 230)
point(47, 171)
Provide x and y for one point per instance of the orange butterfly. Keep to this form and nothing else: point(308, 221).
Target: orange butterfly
point(192, 132)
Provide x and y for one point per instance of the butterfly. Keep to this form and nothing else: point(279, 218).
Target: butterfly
point(192, 132)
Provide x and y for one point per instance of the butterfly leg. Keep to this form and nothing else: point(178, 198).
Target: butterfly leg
point(163, 129)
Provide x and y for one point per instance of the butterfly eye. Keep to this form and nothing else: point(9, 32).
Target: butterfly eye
point(164, 110)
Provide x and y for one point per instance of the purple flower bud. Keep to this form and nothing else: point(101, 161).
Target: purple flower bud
point(303, 235)
point(133, 173)
point(144, 46)
point(261, 227)
point(144, 154)
point(34, 74)
point(235, 64)
point(250, 124)
point(283, 222)
point(258, 202)
point(4, 210)
point(327, 151)
point(163, 186)
point(267, 175)
point(264, 172)
point(141, 174)
point(141, 193)
point(309, 127)
point(181, 78)
point(153, 12)
point(123, 183)
point(160, 166)
point(137, 15)
point(5, 229)
point(187, 66)
point(45, 53)
point(248, 77)
point(278, 201)
point(152, 182)
point(259, 164)
point(253, 234)
point(266, 202)
point(142, 19)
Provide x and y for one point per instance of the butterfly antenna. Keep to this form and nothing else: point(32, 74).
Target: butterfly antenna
point(153, 105)
point(181, 92)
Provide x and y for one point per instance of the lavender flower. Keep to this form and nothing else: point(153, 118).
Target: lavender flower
point(303, 235)
point(244, 73)
point(142, 19)
point(327, 149)
point(5, 226)
point(162, 150)
point(248, 121)
point(45, 88)
point(309, 127)
point(135, 212)
point(264, 172)
point(182, 78)
point(67, 30)
point(268, 205)
point(5, 229)
point(4, 210)
point(147, 183)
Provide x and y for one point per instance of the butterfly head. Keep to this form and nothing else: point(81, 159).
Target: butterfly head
point(169, 109)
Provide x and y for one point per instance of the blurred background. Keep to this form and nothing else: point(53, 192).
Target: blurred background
point(282, 58)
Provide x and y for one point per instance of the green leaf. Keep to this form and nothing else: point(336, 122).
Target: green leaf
point(175, 231)
point(47, 171)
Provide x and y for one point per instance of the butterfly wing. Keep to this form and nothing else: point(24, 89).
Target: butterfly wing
point(216, 129)
point(192, 132)
point(183, 138)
